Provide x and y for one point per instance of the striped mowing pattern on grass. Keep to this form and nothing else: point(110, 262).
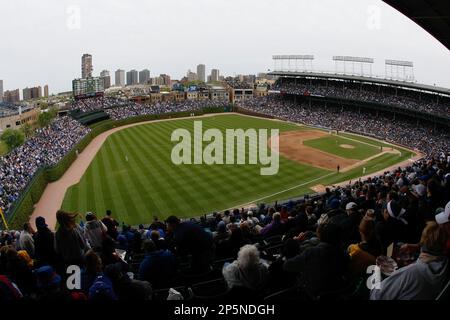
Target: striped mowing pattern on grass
point(133, 175)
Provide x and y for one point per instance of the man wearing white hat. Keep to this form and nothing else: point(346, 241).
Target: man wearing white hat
point(443, 219)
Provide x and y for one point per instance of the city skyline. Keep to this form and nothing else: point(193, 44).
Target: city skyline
point(368, 28)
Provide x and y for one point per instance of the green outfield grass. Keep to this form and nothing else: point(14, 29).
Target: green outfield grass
point(331, 144)
point(133, 175)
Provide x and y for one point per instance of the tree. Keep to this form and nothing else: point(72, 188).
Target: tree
point(27, 129)
point(43, 105)
point(12, 138)
point(46, 117)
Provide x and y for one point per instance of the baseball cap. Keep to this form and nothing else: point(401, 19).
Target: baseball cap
point(443, 217)
point(47, 277)
point(350, 205)
point(102, 289)
point(420, 189)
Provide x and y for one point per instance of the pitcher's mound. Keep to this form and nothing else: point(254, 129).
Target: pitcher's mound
point(347, 146)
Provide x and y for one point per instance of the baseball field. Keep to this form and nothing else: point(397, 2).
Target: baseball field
point(133, 174)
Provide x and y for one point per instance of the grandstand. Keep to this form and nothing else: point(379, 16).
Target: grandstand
point(197, 252)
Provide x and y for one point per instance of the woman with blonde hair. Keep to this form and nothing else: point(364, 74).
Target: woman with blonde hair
point(70, 242)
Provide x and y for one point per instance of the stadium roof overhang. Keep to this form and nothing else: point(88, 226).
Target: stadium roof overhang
point(431, 15)
point(379, 81)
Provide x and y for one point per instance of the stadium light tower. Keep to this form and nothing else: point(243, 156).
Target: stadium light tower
point(293, 63)
point(399, 70)
point(353, 63)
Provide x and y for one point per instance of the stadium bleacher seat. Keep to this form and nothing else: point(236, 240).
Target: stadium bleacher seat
point(210, 290)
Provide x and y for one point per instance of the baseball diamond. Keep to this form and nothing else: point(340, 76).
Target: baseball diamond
point(147, 184)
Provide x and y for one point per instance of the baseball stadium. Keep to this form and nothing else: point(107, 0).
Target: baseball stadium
point(361, 178)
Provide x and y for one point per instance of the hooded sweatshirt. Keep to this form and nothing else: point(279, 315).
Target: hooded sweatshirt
point(418, 281)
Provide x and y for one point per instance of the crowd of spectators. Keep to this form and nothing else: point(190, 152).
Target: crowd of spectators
point(100, 103)
point(133, 110)
point(237, 84)
point(421, 136)
point(401, 99)
point(45, 148)
point(315, 248)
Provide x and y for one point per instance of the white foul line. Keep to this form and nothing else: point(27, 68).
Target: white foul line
point(281, 192)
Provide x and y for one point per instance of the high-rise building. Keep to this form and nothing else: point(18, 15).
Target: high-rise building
point(89, 87)
point(11, 96)
point(214, 75)
point(144, 76)
point(26, 93)
point(106, 79)
point(201, 73)
point(46, 91)
point(120, 78)
point(132, 77)
point(191, 76)
point(37, 91)
point(32, 93)
point(165, 79)
point(86, 66)
point(1, 90)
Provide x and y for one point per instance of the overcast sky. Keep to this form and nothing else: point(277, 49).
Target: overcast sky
point(42, 41)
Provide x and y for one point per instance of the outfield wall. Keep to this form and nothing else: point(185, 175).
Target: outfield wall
point(23, 208)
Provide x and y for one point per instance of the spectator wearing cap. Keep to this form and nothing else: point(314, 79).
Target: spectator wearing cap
point(419, 188)
point(443, 219)
point(102, 290)
point(333, 210)
point(393, 226)
point(159, 265)
point(94, 231)
point(49, 285)
point(348, 223)
point(26, 241)
point(44, 240)
point(424, 279)
point(70, 242)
